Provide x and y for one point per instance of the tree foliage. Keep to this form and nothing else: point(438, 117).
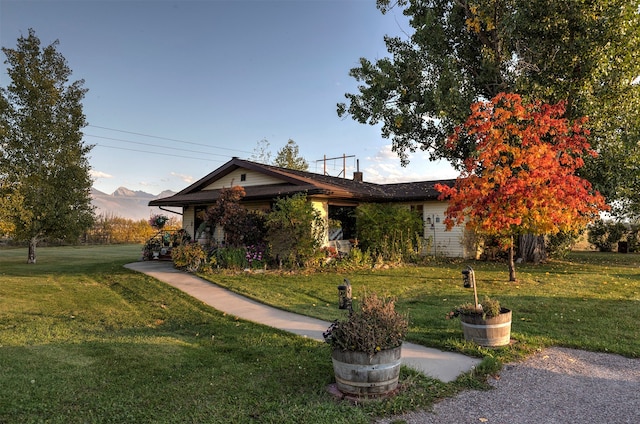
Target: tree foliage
point(289, 157)
point(262, 153)
point(44, 170)
point(108, 229)
point(559, 245)
point(522, 177)
point(604, 235)
point(391, 231)
point(241, 226)
point(112, 229)
point(463, 51)
point(9, 201)
point(295, 230)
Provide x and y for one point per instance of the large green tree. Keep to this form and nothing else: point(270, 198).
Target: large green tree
point(44, 170)
point(586, 53)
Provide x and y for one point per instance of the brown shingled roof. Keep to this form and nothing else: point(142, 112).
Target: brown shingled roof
point(301, 182)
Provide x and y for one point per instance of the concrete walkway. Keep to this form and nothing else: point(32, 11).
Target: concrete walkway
point(445, 366)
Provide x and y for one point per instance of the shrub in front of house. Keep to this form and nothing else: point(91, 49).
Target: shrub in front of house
point(295, 231)
point(390, 231)
point(191, 257)
point(357, 259)
point(230, 257)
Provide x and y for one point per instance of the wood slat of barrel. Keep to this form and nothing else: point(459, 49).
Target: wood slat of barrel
point(357, 373)
point(494, 331)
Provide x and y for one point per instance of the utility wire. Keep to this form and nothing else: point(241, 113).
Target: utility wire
point(157, 153)
point(154, 145)
point(168, 139)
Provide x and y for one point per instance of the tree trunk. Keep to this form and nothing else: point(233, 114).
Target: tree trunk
point(531, 248)
point(31, 258)
point(512, 265)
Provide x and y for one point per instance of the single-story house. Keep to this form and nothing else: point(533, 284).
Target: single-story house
point(334, 197)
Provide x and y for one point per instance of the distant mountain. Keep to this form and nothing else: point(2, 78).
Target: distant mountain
point(125, 192)
point(128, 204)
point(165, 193)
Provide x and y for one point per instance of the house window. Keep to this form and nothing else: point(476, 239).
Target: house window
point(417, 208)
point(199, 216)
point(346, 216)
point(243, 177)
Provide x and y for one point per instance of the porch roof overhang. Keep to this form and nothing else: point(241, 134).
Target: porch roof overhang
point(252, 193)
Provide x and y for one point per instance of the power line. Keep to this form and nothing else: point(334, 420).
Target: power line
point(158, 153)
point(153, 145)
point(168, 139)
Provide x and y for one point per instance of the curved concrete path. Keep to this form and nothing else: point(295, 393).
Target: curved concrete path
point(445, 366)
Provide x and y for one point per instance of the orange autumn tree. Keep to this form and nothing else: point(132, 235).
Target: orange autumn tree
point(521, 177)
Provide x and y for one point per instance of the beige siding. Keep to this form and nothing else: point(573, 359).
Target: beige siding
point(257, 206)
point(322, 206)
point(234, 178)
point(188, 220)
point(442, 242)
point(439, 241)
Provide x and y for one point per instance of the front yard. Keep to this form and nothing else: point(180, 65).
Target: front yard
point(589, 301)
point(84, 340)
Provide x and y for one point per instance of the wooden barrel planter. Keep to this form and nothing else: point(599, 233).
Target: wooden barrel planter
point(495, 331)
point(359, 374)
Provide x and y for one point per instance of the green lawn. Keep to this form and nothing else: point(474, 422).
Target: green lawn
point(589, 301)
point(84, 340)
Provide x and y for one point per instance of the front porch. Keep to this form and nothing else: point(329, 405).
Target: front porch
point(159, 246)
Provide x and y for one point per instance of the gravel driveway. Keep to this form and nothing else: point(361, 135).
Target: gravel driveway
point(557, 385)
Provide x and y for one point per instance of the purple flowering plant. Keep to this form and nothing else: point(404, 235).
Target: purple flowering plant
point(254, 254)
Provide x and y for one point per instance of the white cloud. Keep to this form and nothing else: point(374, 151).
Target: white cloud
point(384, 154)
point(183, 177)
point(99, 174)
point(385, 168)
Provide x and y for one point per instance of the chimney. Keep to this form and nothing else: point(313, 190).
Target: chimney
point(357, 175)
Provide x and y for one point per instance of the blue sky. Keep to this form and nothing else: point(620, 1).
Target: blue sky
point(177, 88)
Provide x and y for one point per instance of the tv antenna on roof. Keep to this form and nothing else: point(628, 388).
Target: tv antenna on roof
point(344, 164)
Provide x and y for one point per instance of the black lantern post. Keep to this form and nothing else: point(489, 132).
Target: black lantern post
point(344, 296)
point(468, 281)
